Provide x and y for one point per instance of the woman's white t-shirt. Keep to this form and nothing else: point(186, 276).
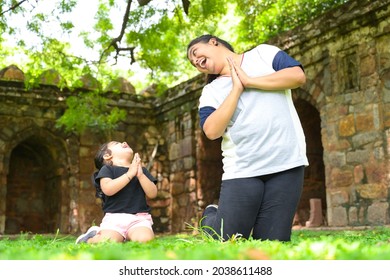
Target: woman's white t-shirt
point(264, 135)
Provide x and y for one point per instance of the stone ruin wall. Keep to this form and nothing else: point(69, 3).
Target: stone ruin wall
point(346, 56)
point(27, 125)
point(347, 62)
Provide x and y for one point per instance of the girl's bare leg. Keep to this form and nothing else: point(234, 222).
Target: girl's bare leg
point(106, 235)
point(140, 234)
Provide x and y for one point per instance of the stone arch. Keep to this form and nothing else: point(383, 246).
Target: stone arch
point(312, 93)
point(209, 158)
point(209, 170)
point(314, 182)
point(34, 192)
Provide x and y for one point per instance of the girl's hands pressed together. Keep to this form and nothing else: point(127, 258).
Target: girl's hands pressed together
point(148, 186)
point(140, 172)
point(134, 167)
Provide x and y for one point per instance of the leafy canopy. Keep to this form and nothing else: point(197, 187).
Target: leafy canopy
point(143, 41)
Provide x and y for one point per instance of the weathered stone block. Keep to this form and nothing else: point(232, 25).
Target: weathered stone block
point(337, 198)
point(188, 163)
point(347, 126)
point(372, 191)
point(121, 85)
point(358, 156)
point(159, 203)
point(358, 174)
point(336, 159)
point(353, 216)
point(174, 151)
point(12, 72)
point(365, 122)
point(186, 147)
point(337, 216)
point(368, 65)
point(51, 77)
point(377, 213)
point(190, 184)
point(182, 201)
point(178, 188)
point(341, 178)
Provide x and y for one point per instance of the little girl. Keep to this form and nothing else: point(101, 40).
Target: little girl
point(125, 185)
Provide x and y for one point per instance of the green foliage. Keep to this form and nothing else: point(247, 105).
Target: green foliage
point(90, 110)
point(53, 55)
point(266, 19)
point(67, 6)
point(370, 244)
point(103, 25)
point(158, 33)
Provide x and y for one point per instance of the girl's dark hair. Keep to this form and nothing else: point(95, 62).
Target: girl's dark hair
point(99, 162)
point(205, 39)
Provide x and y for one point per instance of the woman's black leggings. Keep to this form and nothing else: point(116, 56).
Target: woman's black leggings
point(263, 206)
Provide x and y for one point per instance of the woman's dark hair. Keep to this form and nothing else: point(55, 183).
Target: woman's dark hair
point(205, 39)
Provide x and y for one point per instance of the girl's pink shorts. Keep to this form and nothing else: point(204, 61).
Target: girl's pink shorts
point(123, 223)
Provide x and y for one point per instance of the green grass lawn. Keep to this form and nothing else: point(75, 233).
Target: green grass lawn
point(368, 244)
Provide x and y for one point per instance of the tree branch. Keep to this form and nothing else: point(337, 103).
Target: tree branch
point(186, 5)
point(13, 7)
point(114, 42)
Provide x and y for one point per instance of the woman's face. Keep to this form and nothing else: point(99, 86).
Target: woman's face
point(206, 57)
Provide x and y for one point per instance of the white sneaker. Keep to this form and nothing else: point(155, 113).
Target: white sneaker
point(91, 232)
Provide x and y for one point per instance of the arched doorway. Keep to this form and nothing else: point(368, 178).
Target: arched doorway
point(33, 191)
point(209, 164)
point(314, 183)
point(209, 170)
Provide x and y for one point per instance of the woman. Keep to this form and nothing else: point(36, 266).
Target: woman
point(247, 101)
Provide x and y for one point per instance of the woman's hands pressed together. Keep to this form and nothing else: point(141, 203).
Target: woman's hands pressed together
point(236, 73)
point(239, 77)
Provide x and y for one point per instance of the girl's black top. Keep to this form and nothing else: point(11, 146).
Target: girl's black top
point(131, 199)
